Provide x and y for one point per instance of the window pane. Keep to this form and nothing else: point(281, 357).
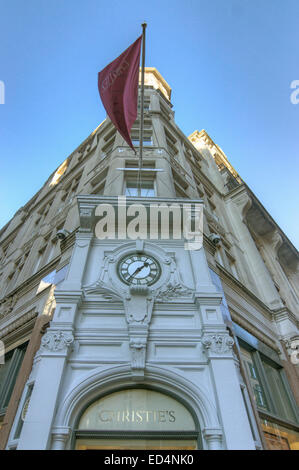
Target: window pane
point(254, 380)
point(9, 373)
point(3, 373)
point(280, 438)
point(278, 392)
point(147, 142)
point(131, 189)
point(147, 189)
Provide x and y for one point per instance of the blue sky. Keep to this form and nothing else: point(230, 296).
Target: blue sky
point(230, 64)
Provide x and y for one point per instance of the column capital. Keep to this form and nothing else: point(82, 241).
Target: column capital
point(218, 344)
point(56, 342)
point(213, 436)
point(60, 435)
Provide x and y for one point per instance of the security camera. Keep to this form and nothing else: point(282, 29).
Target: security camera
point(215, 239)
point(62, 234)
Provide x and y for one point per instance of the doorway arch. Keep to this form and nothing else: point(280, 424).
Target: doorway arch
point(98, 383)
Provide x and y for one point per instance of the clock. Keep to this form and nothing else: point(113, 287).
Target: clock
point(139, 269)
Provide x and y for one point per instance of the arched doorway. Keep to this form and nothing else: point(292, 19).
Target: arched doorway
point(137, 418)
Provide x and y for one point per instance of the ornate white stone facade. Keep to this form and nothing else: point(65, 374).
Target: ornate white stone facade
point(173, 336)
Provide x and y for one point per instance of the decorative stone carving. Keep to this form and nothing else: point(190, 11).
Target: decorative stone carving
point(104, 285)
point(138, 351)
point(218, 343)
point(275, 239)
point(18, 323)
point(138, 300)
point(139, 306)
point(56, 340)
point(173, 291)
point(101, 288)
point(214, 223)
point(292, 347)
point(174, 286)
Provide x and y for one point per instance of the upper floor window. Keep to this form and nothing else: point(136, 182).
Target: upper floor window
point(146, 104)
point(147, 141)
point(71, 190)
point(147, 188)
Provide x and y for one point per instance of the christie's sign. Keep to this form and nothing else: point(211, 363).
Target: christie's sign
point(137, 416)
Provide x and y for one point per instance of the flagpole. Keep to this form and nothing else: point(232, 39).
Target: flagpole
point(141, 109)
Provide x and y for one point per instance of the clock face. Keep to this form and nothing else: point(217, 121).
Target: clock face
point(139, 270)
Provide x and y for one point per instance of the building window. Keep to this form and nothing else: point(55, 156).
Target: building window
point(147, 188)
point(11, 278)
point(146, 104)
point(23, 412)
point(40, 256)
point(232, 265)
point(71, 190)
point(147, 141)
point(170, 143)
point(257, 389)
point(14, 275)
point(279, 437)
point(108, 144)
point(279, 393)
point(220, 255)
point(275, 404)
point(9, 373)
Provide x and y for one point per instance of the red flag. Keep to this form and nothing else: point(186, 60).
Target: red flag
point(118, 87)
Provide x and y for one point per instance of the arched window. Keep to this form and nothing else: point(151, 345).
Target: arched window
point(137, 418)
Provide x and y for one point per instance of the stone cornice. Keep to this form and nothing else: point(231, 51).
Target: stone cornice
point(285, 313)
point(154, 79)
point(203, 135)
point(242, 289)
point(244, 323)
point(270, 220)
point(17, 325)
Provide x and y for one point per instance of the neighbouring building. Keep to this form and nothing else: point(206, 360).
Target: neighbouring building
point(126, 344)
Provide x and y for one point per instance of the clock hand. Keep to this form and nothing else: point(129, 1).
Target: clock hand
point(145, 265)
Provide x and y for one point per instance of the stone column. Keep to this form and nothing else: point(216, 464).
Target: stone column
point(217, 346)
point(73, 280)
point(23, 375)
point(237, 431)
point(201, 273)
point(59, 438)
point(52, 358)
point(213, 438)
point(164, 179)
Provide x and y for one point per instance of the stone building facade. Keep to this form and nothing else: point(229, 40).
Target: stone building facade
point(201, 353)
